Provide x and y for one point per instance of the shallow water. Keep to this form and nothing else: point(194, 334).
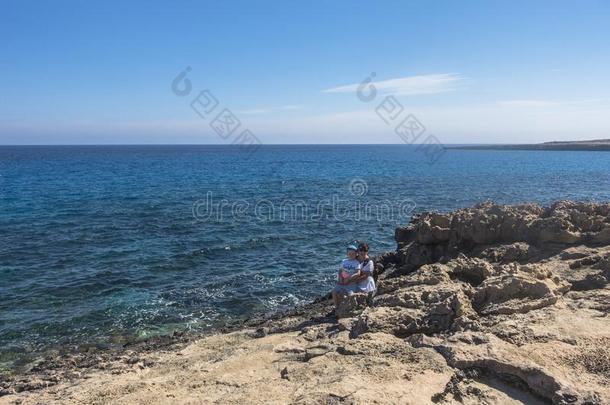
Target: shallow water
point(99, 243)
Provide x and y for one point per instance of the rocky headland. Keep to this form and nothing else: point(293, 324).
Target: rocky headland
point(590, 145)
point(485, 305)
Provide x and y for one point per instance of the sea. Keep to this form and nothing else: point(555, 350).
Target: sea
point(106, 244)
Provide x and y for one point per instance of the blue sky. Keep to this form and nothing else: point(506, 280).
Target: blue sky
point(74, 72)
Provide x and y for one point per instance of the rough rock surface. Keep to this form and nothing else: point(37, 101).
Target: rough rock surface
point(519, 292)
point(352, 305)
point(491, 304)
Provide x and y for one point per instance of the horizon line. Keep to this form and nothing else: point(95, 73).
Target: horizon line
point(265, 144)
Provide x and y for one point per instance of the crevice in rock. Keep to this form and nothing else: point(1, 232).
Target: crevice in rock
point(460, 386)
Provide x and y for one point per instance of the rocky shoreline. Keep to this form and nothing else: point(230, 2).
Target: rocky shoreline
point(489, 304)
point(71, 363)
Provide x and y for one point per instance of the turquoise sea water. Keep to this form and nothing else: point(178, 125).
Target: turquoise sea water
point(99, 243)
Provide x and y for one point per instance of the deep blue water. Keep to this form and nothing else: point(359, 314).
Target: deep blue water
point(99, 243)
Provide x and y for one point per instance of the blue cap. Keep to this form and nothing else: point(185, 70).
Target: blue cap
point(352, 247)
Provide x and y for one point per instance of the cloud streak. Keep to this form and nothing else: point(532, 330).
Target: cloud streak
point(409, 85)
point(528, 103)
point(540, 103)
point(268, 110)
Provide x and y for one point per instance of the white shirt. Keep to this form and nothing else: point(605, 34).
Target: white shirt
point(368, 284)
point(351, 266)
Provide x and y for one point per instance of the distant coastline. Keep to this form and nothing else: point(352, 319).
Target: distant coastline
point(592, 145)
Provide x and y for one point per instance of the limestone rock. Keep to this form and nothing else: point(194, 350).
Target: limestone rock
point(468, 350)
point(512, 293)
point(423, 309)
point(352, 305)
point(472, 270)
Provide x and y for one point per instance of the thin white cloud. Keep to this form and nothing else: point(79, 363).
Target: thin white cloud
point(409, 85)
point(255, 111)
point(268, 110)
point(527, 103)
point(541, 103)
point(291, 107)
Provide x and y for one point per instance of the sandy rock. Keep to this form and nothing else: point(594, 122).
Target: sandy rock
point(513, 293)
point(426, 309)
point(602, 236)
point(352, 305)
point(431, 236)
point(426, 275)
point(555, 230)
point(513, 252)
point(477, 350)
point(472, 270)
point(433, 228)
point(319, 350)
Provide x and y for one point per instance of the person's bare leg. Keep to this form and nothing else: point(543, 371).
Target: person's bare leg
point(335, 299)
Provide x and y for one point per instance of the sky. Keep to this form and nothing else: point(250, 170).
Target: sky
point(75, 72)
